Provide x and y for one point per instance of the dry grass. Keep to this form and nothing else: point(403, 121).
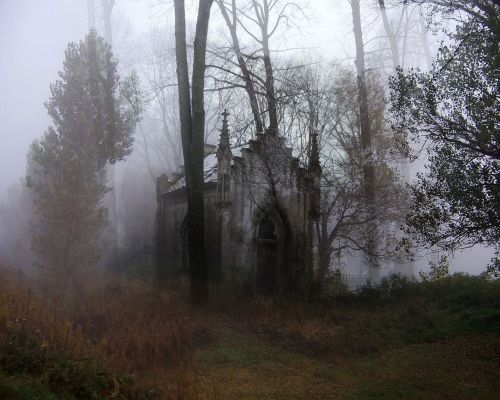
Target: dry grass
point(127, 326)
point(264, 348)
point(402, 313)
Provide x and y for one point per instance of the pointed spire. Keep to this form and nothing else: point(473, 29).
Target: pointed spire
point(224, 145)
point(224, 159)
point(314, 164)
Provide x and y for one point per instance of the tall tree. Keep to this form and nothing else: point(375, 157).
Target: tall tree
point(455, 110)
point(232, 25)
point(260, 20)
point(110, 201)
point(91, 130)
point(325, 108)
point(192, 118)
point(366, 140)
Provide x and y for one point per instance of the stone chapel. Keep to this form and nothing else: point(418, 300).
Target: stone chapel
point(260, 212)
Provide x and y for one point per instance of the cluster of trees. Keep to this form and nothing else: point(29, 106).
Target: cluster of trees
point(453, 109)
point(451, 206)
point(92, 129)
point(341, 113)
point(364, 163)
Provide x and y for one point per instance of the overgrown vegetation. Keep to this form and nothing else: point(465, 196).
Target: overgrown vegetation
point(93, 346)
point(139, 344)
point(397, 312)
point(451, 112)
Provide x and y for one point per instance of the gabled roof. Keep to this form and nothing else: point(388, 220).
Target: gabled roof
point(209, 169)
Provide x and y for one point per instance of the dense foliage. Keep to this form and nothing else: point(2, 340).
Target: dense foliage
point(453, 112)
point(66, 168)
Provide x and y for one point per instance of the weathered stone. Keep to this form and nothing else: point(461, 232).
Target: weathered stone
point(259, 217)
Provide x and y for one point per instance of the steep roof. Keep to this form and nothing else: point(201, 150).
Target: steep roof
point(209, 169)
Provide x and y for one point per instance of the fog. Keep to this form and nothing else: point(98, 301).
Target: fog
point(34, 35)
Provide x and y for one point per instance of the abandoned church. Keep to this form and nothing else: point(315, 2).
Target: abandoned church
point(260, 210)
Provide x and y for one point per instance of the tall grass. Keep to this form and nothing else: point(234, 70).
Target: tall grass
point(399, 311)
point(123, 339)
point(124, 327)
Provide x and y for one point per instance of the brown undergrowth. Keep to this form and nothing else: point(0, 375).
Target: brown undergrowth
point(120, 326)
point(122, 339)
point(398, 312)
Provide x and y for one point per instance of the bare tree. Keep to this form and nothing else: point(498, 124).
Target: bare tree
point(192, 118)
point(325, 109)
point(231, 22)
point(366, 139)
point(259, 20)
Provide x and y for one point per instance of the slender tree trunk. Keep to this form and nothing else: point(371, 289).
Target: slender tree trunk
point(192, 118)
point(398, 60)
point(324, 250)
point(199, 278)
point(249, 86)
point(366, 143)
point(271, 99)
point(425, 41)
point(111, 198)
point(393, 42)
point(262, 14)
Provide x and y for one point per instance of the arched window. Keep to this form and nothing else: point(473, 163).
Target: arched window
point(267, 229)
point(267, 256)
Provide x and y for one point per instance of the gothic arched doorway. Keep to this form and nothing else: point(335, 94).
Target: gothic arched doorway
point(267, 256)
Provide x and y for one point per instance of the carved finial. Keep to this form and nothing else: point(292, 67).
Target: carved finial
point(314, 164)
point(224, 146)
point(224, 158)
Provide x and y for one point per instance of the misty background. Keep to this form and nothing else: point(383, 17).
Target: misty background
point(33, 38)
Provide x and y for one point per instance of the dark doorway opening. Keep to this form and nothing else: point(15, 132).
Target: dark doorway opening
point(267, 257)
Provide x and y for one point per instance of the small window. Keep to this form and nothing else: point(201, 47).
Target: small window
point(267, 229)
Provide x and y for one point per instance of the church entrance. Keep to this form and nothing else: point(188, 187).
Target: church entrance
point(267, 257)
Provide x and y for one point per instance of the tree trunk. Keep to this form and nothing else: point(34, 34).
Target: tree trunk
point(249, 86)
point(366, 143)
point(393, 42)
point(270, 95)
point(324, 239)
point(192, 118)
point(424, 40)
point(262, 14)
point(111, 198)
point(324, 266)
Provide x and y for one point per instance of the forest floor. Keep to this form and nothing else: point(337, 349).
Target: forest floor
point(404, 340)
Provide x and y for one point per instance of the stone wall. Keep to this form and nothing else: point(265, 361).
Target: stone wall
point(258, 220)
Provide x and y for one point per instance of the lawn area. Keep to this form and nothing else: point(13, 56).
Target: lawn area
point(402, 340)
point(243, 367)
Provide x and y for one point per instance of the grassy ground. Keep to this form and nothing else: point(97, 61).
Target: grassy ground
point(242, 367)
point(403, 340)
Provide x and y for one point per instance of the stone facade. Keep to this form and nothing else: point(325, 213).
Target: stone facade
point(260, 206)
